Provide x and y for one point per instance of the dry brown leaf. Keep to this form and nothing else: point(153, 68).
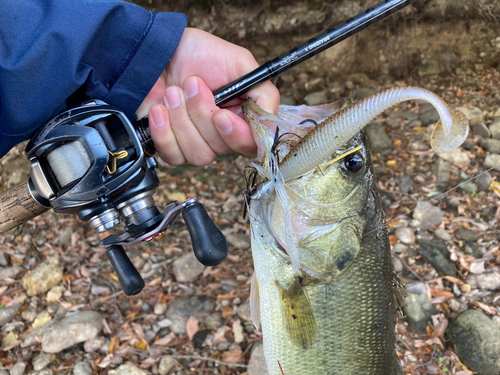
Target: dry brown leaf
point(454, 280)
point(441, 293)
point(232, 356)
point(227, 311)
point(164, 341)
point(191, 327)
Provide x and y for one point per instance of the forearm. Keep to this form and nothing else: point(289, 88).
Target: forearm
point(57, 53)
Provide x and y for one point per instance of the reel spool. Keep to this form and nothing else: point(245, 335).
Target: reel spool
point(92, 162)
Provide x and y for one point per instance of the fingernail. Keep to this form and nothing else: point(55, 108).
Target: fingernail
point(223, 123)
point(172, 97)
point(191, 87)
point(158, 116)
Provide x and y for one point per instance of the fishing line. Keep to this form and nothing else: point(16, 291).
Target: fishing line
point(434, 198)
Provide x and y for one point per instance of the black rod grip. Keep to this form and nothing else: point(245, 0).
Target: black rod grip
point(130, 279)
point(209, 244)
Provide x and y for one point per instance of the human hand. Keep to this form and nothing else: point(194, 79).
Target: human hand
point(185, 123)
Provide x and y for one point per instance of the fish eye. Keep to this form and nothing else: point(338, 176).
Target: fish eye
point(353, 163)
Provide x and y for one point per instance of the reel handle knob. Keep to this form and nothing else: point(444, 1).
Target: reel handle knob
point(130, 279)
point(209, 244)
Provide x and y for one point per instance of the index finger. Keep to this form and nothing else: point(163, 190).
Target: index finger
point(266, 96)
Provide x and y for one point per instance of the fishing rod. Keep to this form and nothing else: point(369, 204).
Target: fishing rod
point(93, 162)
point(308, 49)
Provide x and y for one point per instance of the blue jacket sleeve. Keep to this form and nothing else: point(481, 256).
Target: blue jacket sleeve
point(54, 53)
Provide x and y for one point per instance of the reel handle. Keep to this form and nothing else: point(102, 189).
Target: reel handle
point(130, 279)
point(17, 206)
point(209, 244)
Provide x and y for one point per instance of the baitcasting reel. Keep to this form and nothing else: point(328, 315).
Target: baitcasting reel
point(91, 161)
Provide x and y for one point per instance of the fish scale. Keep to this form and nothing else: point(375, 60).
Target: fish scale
point(355, 316)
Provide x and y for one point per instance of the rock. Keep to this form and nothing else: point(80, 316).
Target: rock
point(55, 293)
point(471, 249)
point(244, 312)
point(287, 100)
point(10, 272)
point(238, 241)
point(8, 313)
point(83, 368)
point(127, 369)
point(408, 115)
point(483, 181)
point(228, 285)
point(490, 144)
point(160, 308)
point(98, 290)
point(4, 258)
point(379, 140)
point(167, 363)
point(468, 187)
point(465, 235)
point(4, 372)
point(316, 98)
point(441, 170)
point(492, 161)
point(430, 67)
point(428, 215)
point(363, 92)
point(495, 128)
point(399, 248)
point(18, 368)
point(405, 184)
point(443, 234)
point(214, 321)
point(41, 361)
point(397, 264)
point(420, 146)
point(43, 277)
point(405, 235)
point(80, 327)
point(36, 335)
point(487, 281)
point(456, 306)
point(29, 315)
point(437, 254)
point(96, 345)
point(164, 323)
point(477, 341)
point(65, 238)
point(181, 309)
point(457, 157)
point(428, 114)
point(257, 364)
point(474, 114)
point(496, 320)
point(187, 268)
point(416, 287)
point(419, 311)
point(481, 130)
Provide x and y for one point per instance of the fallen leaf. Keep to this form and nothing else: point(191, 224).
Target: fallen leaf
point(191, 327)
point(232, 356)
point(454, 280)
point(9, 339)
point(41, 320)
point(227, 311)
point(164, 341)
point(477, 267)
point(441, 293)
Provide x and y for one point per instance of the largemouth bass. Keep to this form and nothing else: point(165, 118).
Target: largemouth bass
point(324, 290)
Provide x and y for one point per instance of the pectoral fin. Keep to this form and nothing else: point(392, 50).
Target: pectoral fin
point(400, 292)
point(255, 301)
point(297, 315)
